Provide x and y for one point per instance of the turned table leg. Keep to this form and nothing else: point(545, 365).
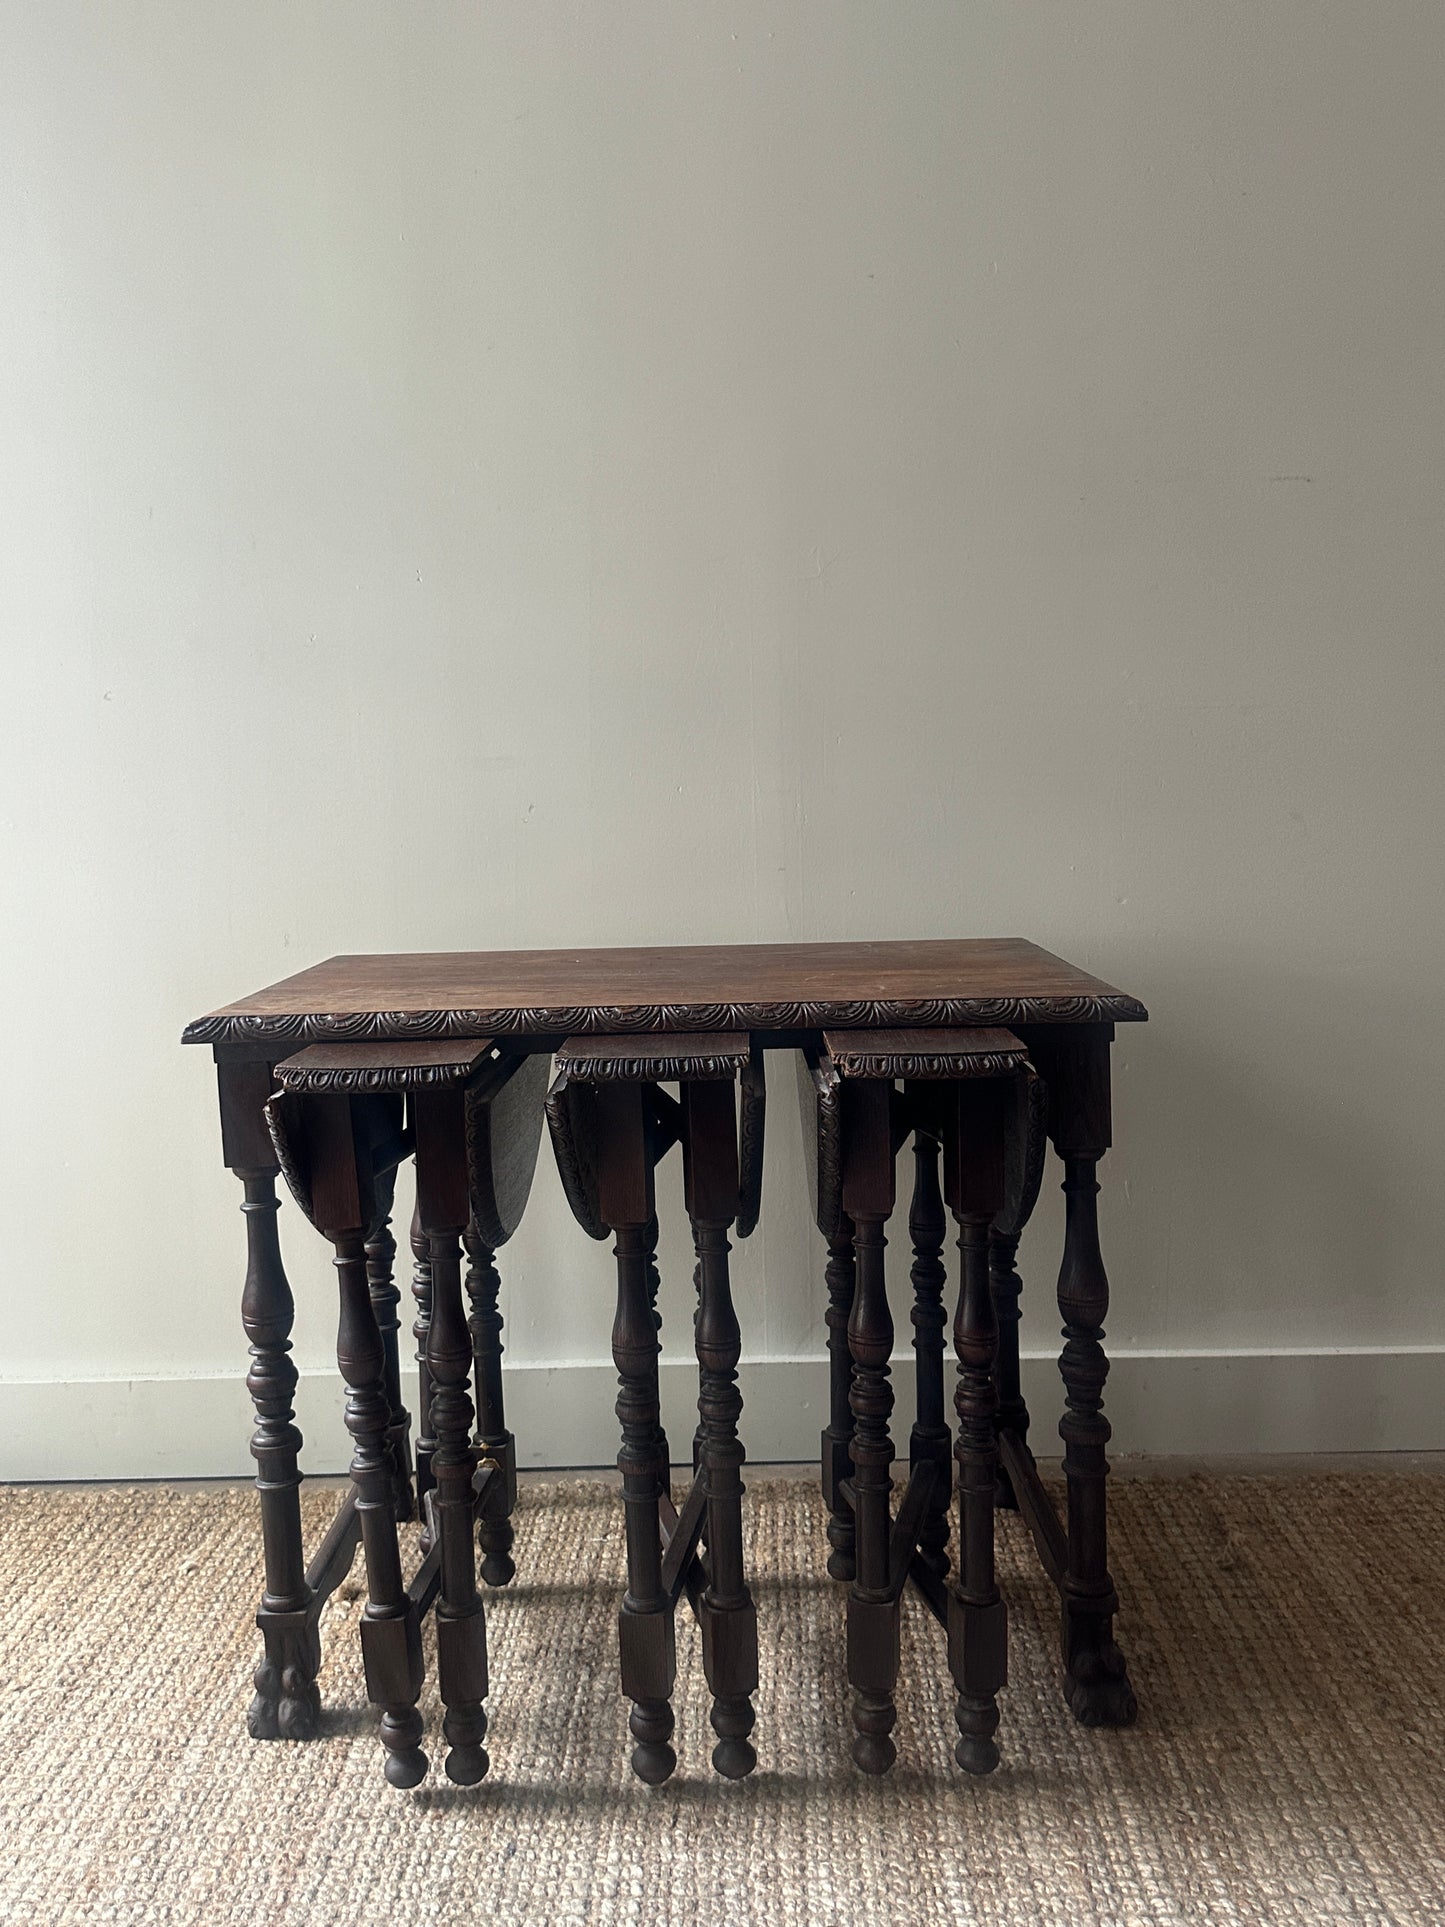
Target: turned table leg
point(726, 1611)
point(645, 1623)
point(930, 1441)
point(444, 1198)
point(287, 1704)
point(979, 1652)
point(729, 1617)
point(1096, 1681)
point(390, 1633)
point(385, 1297)
point(1096, 1678)
point(420, 1331)
point(1006, 1289)
point(873, 1648)
point(494, 1441)
point(838, 1434)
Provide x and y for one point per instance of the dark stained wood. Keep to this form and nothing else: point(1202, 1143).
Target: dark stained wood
point(1096, 1679)
point(752, 1115)
point(287, 1704)
point(610, 1125)
point(646, 1636)
point(934, 1003)
point(421, 1331)
point(495, 1443)
point(978, 1624)
point(726, 1611)
point(385, 1297)
point(968, 1118)
point(1025, 1142)
point(504, 1135)
point(930, 1441)
point(820, 1102)
point(837, 1444)
point(924, 1053)
point(349, 1199)
point(406, 1066)
point(662, 1060)
point(777, 987)
point(1049, 1537)
point(444, 1201)
point(873, 1628)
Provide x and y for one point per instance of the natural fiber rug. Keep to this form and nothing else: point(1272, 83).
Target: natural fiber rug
point(1286, 1638)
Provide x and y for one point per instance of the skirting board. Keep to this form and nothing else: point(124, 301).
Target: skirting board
point(1192, 1403)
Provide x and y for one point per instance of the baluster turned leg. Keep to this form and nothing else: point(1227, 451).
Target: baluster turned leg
point(645, 1624)
point(1006, 1288)
point(1096, 1680)
point(385, 1297)
point(696, 1315)
point(425, 1443)
point(390, 1633)
point(873, 1651)
point(838, 1434)
point(979, 1654)
point(461, 1628)
point(654, 1289)
point(495, 1442)
point(287, 1705)
point(930, 1441)
point(729, 1617)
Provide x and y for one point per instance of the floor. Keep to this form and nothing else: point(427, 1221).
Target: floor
point(1285, 1638)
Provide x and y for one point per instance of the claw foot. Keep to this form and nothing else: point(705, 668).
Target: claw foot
point(1097, 1689)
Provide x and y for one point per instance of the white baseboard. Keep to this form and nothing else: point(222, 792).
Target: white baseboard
point(1194, 1403)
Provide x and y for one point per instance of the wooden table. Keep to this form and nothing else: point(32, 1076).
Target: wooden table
point(785, 994)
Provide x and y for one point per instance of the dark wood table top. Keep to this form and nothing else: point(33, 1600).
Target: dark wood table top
point(753, 986)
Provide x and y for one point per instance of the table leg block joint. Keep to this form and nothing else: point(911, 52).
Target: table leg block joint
point(392, 1657)
point(978, 1660)
point(730, 1662)
point(873, 1661)
point(648, 1650)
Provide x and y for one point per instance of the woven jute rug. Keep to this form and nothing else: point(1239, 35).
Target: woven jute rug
point(1286, 1637)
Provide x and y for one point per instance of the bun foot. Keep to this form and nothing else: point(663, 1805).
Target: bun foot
point(842, 1565)
point(406, 1769)
point(405, 1764)
point(874, 1716)
point(732, 1721)
point(653, 1762)
point(466, 1761)
point(977, 1723)
point(498, 1568)
point(466, 1765)
point(734, 1759)
point(976, 1756)
point(874, 1753)
point(653, 1759)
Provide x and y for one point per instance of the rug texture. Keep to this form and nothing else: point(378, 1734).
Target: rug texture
point(1286, 1638)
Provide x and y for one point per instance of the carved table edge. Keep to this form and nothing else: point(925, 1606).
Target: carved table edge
point(866, 1064)
point(874, 1014)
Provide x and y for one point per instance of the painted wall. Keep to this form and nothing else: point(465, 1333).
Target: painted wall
point(529, 474)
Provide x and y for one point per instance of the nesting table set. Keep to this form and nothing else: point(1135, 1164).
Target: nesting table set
point(979, 1051)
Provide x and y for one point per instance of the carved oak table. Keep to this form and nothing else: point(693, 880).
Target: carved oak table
point(785, 995)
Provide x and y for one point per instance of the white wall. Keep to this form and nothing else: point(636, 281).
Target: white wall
point(535, 473)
